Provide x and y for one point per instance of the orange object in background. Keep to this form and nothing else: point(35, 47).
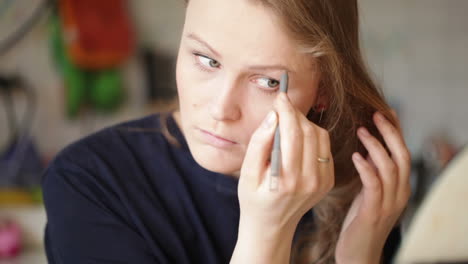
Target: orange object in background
point(15, 197)
point(97, 34)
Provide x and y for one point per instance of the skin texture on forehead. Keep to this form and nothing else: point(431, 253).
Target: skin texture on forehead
point(248, 33)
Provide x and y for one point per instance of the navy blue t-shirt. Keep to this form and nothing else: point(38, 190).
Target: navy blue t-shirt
point(125, 194)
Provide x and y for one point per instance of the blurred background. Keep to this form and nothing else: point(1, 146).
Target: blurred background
point(56, 88)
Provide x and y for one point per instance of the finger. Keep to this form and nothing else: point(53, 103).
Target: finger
point(371, 163)
point(291, 137)
point(326, 169)
point(396, 144)
point(387, 169)
point(258, 152)
point(371, 184)
point(395, 116)
point(393, 137)
point(310, 169)
point(317, 144)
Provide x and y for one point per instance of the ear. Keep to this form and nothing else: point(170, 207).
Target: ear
point(322, 96)
point(321, 103)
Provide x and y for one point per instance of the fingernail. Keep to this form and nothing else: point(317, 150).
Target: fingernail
point(357, 157)
point(270, 119)
point(380, 117)
point(363, 131)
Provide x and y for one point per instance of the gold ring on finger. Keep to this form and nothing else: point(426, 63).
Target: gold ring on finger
point(323, 160)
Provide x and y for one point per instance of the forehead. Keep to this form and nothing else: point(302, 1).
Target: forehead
point(242, 31)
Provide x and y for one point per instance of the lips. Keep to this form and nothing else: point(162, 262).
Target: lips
point(217, 136)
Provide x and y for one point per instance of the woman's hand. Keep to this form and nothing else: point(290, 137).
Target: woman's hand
point(268, 219)
point(383, 197)
point(303, 180)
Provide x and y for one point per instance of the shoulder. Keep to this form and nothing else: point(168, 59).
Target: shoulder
point(113, 142)
point(109, 156)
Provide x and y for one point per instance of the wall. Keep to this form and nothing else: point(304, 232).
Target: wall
point(418, 50)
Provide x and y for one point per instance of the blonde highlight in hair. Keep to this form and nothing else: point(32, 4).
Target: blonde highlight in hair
point(328, 30)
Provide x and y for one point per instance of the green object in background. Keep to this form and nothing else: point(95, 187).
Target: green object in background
point(36, 195)
point(106, 91)
point(75, 83)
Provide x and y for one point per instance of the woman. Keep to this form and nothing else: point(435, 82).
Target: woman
point(188, 186)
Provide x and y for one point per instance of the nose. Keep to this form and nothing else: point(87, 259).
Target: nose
point(225, 104)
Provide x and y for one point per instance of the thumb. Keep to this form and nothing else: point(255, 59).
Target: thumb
point(258, 151)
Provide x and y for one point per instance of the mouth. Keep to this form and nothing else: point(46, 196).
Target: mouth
point(216, 140)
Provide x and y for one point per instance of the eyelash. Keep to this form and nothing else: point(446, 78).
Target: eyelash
point(203, 68)
point(197, 62)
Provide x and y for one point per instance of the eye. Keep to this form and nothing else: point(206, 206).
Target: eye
point(267, 82)
point(207, 61)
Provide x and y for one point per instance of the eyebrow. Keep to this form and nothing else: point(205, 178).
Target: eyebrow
point(196, 38)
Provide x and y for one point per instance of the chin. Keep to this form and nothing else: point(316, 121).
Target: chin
point(211, 159)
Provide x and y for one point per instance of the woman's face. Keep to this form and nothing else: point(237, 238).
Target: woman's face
point(230, 60)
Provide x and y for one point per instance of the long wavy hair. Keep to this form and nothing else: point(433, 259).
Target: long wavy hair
point(328, 30)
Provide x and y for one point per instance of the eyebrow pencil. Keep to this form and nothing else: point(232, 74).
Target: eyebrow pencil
point(276, 151)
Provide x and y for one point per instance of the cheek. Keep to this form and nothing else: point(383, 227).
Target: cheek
point(182, 73)
point(186, 81)
point(254, 115)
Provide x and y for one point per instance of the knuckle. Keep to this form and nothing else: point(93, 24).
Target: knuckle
point(291, 186)
point(373, 142)
point(296, 135)
point(387, 212)
point(391, 168)
point(309, 125)
point(391, 129)
point(406, 193)
point(315, 184)
point(309, 131)
point(318, 183)
point(374, 186)
point(402, 202)
point(323, 132)
point(325, 135)
point(401, 206)
point(312, 185)
point(405, 156)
